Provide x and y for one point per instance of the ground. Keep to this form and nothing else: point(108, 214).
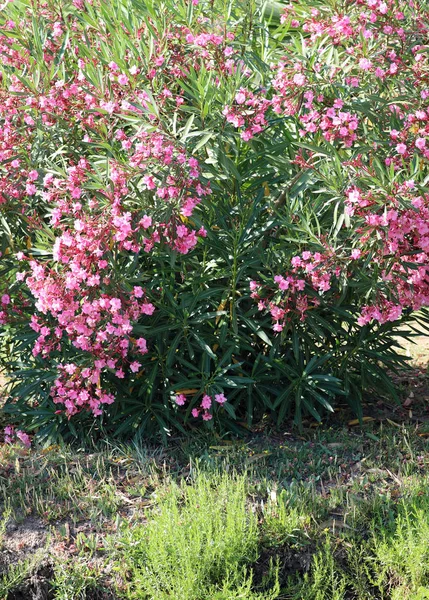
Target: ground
point(329, 505)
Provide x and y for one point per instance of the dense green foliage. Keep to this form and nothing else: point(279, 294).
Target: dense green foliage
point(277, 194)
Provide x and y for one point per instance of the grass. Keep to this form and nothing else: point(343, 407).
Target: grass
point(334, 513)
point(196, 543)
point(337, 512)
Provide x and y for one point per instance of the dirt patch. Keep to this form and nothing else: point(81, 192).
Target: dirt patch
point(290, 561)
point(35, 587)
point(31, 541)
point(38, 587)
point(417, 347)
point(22, 540)
point(28, 534)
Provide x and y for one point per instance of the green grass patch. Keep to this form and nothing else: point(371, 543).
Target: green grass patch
point(197, 542)
point(333, 513)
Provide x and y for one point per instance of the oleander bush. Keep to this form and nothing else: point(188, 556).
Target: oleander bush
point(210, 210)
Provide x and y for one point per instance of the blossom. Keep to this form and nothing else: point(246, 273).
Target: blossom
point(253, 285)
point(10, 436)
point(420, 143)
point(142, 345)
point(146, 222)
point(123, 79)
point(180, 399)
point(220, 398)
point(31, 189)
point(206, 402)
point(365, 64)
point(138, 292)
point(24, 438)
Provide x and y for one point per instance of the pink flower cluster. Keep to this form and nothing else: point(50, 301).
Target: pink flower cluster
point(76, 310)
point(383, 312)
point(145, 196)
point(248, 112)
point(413, 137)
point(367, 18)
point(402, 235)
point(293, 96)
point(79, 300)
point(206, 405)
point(390, 227)
point(80, 297)
point(300, 290)
point(288, 83)
point(4, 303)
point(334, 123)
point(180, 185)
point(11, 436)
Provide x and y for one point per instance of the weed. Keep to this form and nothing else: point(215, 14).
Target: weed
point(200, 533)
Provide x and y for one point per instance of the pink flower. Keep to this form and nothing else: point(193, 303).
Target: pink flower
point(116, 304)
point(296, 261)
point(195, 412)
point(282, 282)
point(206, 402)
point(142, 345)
point(147, 308)
point(5, 299)
point(207, 416)
point(421, 143)
point(299, 79)
point(123, 79)
point(146, 222)
point(253, 286)
point(220, 398)
point(31, 189)
point(365, 64)
point(356, 253)
point(240, 98)
point(24, 437)
point(135, 366)
point(401, 148)
point(180, 399)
